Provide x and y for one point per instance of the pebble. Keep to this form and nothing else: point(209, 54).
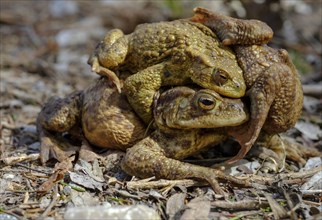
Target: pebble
point(115, 212)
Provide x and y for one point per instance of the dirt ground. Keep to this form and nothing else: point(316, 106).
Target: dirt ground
point(44, 50)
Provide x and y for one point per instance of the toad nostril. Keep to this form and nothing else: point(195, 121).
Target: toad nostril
point(236, 107)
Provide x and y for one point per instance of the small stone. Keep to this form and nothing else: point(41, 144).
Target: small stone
point(114, 212)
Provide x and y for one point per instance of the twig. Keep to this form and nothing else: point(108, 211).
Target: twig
point(29, 205)
point(240, 205)
point(72, 186)
point(304, 174)
point(52, 204)
point(278, 211)
point(311, 203)
point(22, 157)
point(287, 177)
point(126, 194)
point(245, 214)
point(161, 183)
point(26, 197)
point(255, 179)
point(8, 126)
point(166, 189)
point(311, 192)
point(314, 90)
point(19, 191)
point(33, 169)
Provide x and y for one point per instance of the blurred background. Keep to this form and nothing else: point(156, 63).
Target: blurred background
point(45, 45)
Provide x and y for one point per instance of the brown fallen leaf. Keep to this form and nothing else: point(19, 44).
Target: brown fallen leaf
point(59, 172)
point(86, 152)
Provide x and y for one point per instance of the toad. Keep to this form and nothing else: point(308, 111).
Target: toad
point(187, 122)
point(273, 84)
point(185, 119)
point(166, 54)
point(99, 112)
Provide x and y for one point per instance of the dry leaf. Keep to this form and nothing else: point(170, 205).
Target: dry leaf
point(175, 204)
point(310, 130)
point(59, 173)
point(198, 208)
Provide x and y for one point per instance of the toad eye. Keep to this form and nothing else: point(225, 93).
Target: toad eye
point(206, 102)
point(220, 77)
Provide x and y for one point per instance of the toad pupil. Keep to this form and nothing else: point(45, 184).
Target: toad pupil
point(220, 77)
point(206, 101)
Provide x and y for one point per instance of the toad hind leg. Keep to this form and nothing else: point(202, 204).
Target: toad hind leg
point(297, 152)
point(273, 152)
point(282, 148)
point(147, 159)
point(233, 31)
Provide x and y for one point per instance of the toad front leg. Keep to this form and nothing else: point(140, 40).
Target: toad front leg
point(154, 156)
point(261, 94)
point(108, 54)
point(57, 115)
point(141, 87)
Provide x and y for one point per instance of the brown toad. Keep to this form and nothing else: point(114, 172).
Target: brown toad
point(273, 84)
point(167, 54)
point(178, 137)
point(186, 120)
point(100, 111)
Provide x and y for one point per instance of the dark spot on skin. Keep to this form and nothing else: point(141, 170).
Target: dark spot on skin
point(168, 135)
point(167, 73)
point(186, 143)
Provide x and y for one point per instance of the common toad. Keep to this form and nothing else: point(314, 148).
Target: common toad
point(103, 114)
point(166, 54)
point(186, 121)
point(273, 84)
point(186, 124)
